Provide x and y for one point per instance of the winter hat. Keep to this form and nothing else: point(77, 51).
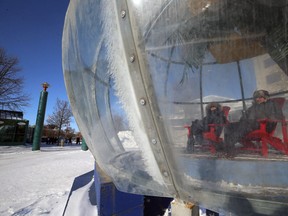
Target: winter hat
point(261, 93)
point(212, 104)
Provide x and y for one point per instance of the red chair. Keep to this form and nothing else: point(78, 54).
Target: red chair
point(264, 138)
point(210, 136)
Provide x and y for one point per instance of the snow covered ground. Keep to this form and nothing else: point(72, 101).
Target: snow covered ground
point(39, 182)
point(35, 183)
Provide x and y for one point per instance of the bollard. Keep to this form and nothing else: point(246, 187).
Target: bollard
point(84, 146)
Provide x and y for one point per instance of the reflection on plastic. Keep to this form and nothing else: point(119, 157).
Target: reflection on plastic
point(134, 115)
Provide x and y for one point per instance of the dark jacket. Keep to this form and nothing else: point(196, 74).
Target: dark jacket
point(267, 110)
point(212, 117)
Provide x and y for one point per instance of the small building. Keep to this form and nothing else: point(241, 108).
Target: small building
point(13, 128)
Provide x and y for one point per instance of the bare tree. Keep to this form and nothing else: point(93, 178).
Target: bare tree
point(11, 85)
point(61, 116)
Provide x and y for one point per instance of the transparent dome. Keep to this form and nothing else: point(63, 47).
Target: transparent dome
point(138, 72)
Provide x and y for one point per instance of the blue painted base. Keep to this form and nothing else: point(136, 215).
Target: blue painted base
point(110, 201)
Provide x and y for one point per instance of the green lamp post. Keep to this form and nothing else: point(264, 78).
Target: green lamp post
point(40, 117)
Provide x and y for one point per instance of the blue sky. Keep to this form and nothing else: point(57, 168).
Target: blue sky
point(31, 30)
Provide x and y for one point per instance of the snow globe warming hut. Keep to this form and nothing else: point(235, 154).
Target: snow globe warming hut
point(138, 72)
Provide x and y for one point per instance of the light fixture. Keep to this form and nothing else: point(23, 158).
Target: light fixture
point(45, 85)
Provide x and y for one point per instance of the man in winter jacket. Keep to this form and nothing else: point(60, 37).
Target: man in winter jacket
point(262, 108)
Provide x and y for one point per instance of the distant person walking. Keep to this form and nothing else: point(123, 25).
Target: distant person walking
point(78, 140)
point(62, 142)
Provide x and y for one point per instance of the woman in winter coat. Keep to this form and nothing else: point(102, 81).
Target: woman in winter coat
point(214, 115)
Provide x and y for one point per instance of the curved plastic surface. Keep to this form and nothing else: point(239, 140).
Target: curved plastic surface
point(137, 72)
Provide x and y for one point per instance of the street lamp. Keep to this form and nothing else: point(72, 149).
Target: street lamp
point(40, 117)
point(45, 86)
